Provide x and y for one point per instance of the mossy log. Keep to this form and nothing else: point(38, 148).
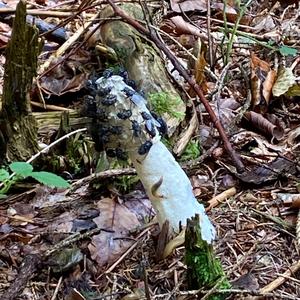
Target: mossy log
point(17, 125)
point(204, 270)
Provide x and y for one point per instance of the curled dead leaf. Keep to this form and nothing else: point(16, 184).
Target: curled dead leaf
point(264, 125)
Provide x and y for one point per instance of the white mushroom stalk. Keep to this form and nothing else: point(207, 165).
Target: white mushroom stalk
point(128, 127)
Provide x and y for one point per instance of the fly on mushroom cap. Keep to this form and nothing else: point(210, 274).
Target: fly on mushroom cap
point(109, 100)
point(124, 114)
point(115, 130)
point(104, 91)
point(136, 128)
point(135, 97)
point(144, 148)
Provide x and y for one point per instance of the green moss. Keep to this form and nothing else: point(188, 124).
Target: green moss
point(192, 151)
point(125, 183)
point(164, 102)
point(204, 270)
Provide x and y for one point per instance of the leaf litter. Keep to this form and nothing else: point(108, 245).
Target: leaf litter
point(106, 245)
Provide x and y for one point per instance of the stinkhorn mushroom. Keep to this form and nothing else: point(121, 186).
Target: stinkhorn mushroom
point(125, 126)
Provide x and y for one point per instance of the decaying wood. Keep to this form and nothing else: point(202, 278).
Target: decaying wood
point(47, 121)
point(17, 125)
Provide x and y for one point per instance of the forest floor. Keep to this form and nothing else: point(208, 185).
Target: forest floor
point(96, 239)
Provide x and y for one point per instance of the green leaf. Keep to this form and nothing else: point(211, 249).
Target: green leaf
point(3, 175)
point(285, 51)
point(21, 168)
point(50, 179)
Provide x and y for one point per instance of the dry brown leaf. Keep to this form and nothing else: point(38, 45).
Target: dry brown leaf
point(60, 86)
point(264, 125)
point(293, 137)
point(188, 5)
point(266, 173)
point(263, 24)
point(219, 6)
point(231, 13)
point(106, 247)
point(262, 80)
point(180, 26)
point(257, 145)
point(225, 110)
point(268, 85)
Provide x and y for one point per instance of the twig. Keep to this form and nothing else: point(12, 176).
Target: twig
point(210, 41)
point(49, 106)
point(38, 12)
point(206, 69)
point(111, 268)
point(193, 164)
point(220, 198)
point(72, 239)
point(242, 292)
point(57, 288)
point(101, 175)
point(298, 230)
point(54, 143)
point(236, 159)
point(33, 262)
point(280, 280)
point(276, 220)
point(43, 70)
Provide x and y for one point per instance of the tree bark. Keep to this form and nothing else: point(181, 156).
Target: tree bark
point(18, 130)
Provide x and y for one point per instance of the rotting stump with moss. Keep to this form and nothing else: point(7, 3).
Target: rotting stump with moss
point(204, 270)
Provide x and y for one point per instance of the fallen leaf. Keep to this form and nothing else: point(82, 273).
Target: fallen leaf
point(263, 24)
point(262, 81)
point(247, 282)
point(180, 26)
point(264, 125)
point(107, 246)
point(188, 5)
point(60, 86)
point(284, 81)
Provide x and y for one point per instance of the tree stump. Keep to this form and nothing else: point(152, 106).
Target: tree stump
point(204, 270)
point(18, 129)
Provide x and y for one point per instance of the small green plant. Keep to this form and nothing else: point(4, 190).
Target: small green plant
point(163, 102)
point(241, 11)
point(22, 170)
point(125, 183)
point(192, 151)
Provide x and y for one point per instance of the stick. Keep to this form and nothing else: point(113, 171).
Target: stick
point(280, 280)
